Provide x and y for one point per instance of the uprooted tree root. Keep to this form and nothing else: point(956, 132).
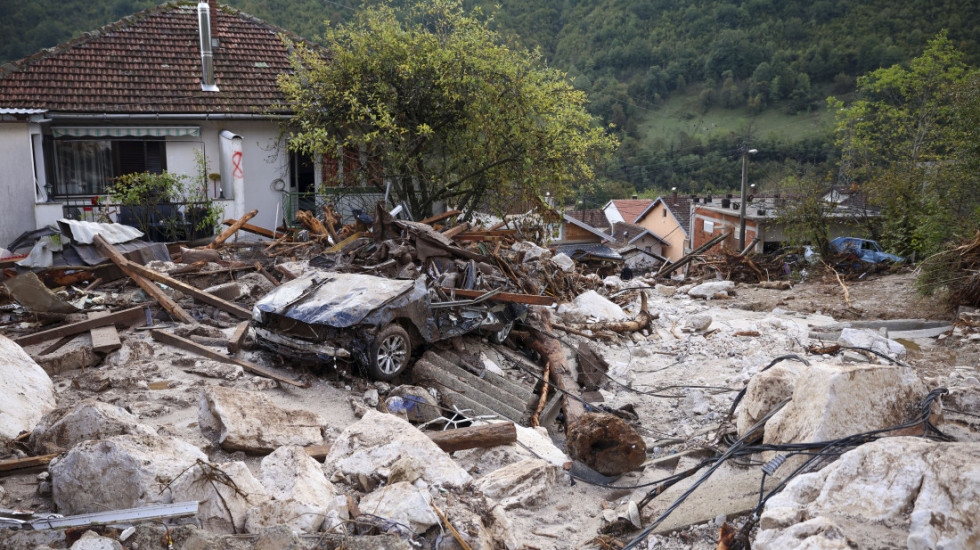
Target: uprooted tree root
point(955, 273)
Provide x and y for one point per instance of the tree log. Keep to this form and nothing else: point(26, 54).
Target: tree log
point(548, 346)
point(227, 233)
point(310, 222)
point(473, 437)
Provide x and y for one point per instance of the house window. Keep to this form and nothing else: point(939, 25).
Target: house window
point(302, 173)
point(709, 227)
point(86, 167)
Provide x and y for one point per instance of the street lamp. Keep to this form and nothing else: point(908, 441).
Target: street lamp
point(741, 211)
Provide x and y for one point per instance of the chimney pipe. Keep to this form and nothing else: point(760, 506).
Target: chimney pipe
point(207, 61)
point(635, 197)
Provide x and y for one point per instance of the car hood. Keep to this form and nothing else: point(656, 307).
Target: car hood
point(339, 300)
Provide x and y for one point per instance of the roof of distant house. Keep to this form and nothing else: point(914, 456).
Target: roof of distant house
point(630, 209)
point(627, 233)
point(592, 217)
point(679, 207)
point(150, 62)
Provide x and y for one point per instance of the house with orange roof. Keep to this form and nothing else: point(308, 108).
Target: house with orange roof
point(625, 210)
point(668, 218)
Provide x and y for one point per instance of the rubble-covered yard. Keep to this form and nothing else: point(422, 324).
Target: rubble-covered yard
point(650, 413)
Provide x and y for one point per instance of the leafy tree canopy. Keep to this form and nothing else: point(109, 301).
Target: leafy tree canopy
point(443, 106)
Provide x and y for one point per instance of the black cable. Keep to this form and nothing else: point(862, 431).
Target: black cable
point(771, 364)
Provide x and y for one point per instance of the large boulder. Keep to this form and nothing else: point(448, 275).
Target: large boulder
point(867, 338)
point(372, 445)
point(404, 503)
point(62, 429)
point(415, 402)
point(26, 390)
point(250, 422)
point(899, 491)
point(224, 492)
point(591, 305)
point(303, 497)
point(764, 391)
point(831, 401)
point(520, 485)
point(123, 471)
point(712, 289)
point(607, 444)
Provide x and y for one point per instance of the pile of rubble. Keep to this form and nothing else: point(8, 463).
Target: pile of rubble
point(548, 406)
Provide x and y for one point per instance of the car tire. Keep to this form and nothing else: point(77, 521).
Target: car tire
point(498, 337)
point(391, 352)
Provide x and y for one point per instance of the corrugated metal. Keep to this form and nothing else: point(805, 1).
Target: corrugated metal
point(83, 232)
point(138, 251)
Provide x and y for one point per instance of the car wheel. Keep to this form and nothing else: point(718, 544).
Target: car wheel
point(390, 353)
point(499, 336)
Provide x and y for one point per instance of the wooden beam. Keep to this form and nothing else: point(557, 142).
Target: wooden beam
point(57, 345)
point(238, 337)
point(198, 294)
point(340, 246)
point(439, 217)
point(124, 317)
point(504, 297)
point(453, 231)
point(193, 347)
point(227, 233)
point(17, 465)
point(104, 339)
point(153, 290)
point(255, 230)
point(318, 452)
point(472, 437)
point(286, 273)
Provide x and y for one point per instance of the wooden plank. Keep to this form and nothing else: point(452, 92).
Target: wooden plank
point(340, 246)
point(286, 273)
point(238, 337)
point(255, 230)
point(124, 317)
point(210, 299)
point(104, 339)
point(57, 345)
point(17, 465)
point(268, 276)
point(439, 217)
point(473, 437)
point(318, 452)
point(153, 290)
point(187, 345)
point(453, 231)
point(227, 233)
point(478, 237)
point(504, 297)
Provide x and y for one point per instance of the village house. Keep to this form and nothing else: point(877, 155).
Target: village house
point(625, 210)
point(155, 91)
point(668, 219)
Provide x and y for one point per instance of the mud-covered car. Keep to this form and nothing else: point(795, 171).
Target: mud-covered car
point(378, 323)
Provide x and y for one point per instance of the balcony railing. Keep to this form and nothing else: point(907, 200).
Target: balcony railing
point(163, 222)
point(346, 201)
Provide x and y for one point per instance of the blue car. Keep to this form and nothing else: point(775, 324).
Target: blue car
point(867, 251)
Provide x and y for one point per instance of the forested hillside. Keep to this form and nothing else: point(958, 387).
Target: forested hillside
point(686, 82)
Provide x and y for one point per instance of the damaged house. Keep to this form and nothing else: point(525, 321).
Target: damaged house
point(152, 92)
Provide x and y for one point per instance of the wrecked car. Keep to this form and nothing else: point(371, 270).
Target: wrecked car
point(378, 323)
point(866, 250)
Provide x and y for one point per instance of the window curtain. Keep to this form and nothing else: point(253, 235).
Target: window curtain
point(82, 167)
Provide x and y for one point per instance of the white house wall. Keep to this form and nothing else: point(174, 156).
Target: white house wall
point(16, 181)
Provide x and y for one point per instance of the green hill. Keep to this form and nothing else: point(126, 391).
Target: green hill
point(686, 82)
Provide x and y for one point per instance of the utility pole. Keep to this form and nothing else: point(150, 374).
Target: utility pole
point(741, 209)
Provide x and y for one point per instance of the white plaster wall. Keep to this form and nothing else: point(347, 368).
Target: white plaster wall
point(16, 181)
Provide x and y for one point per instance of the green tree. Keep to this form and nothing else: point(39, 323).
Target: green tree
point(444, 106)
point(906, 142)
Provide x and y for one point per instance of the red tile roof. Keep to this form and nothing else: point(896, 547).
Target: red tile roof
point(630, 209)
point(151, 63)
point(595, 218)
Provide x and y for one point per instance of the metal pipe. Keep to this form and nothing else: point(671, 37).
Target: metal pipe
point(741, 206)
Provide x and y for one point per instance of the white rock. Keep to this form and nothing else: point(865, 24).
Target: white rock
point(696, 403)
point(764, 391)
point(867, 338)
point(250, 422)
point(490, 365)
point(224, 492)
point(371, 445)
point(832, 401)
point(591, 305)
point(709, 289)
point(371, 397)
point(90, 540)
point(531, 251)
point(123, 471)
point(26, 390)
point(520, 485)
point(698, 323)
point(291, 473)
point(417, 404)
point(563, 262)
point(613, 282)
point(815, 534)
point(929, 490)
point(402, 502)
point(665, 290)
point(298, 516)
point(62, 429)
point(538, 441)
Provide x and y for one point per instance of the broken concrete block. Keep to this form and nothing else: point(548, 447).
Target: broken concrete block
point(665, 290)
point(764, 391)
point(75, 355)
point(250, 422)
point(404, 503)
point(832, 401)
point(224, 492)
point(26, 391)
point(537, 441)
point(415, 402)
point(300, 517)
point(91, 540)
point(520, 485)
point(606, 443)
point(62, 429)
point(123, 471)
point(591, 305)
point(563, 262)
point(132, 350)
point(711, 289)
point(697, 323)
point(227, 291)
point(531, 251)
point(867, 338)
point(373, 444)
point(926, 492)
point(490, 529)
point(290, 472)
